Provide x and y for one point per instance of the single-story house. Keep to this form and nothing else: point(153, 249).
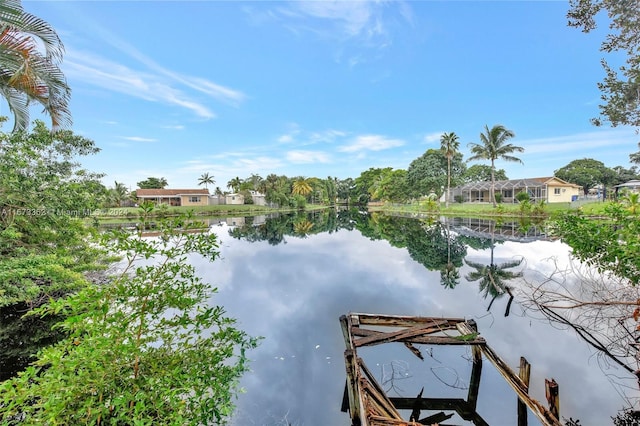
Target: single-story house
point(234, 199)
point(174, 197)
point(632, 185)
point(549, 189)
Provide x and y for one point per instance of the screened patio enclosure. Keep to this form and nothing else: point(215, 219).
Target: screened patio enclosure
point(479, 191)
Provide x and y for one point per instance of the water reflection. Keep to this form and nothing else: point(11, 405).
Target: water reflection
point(289, 278)
point(291, 287)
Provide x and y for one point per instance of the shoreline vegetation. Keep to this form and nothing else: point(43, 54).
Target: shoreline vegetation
point(593, 209)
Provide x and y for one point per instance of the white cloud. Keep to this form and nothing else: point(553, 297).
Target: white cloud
point(371, 143)
point(303, 157)
point(138, 139)
point(112, 76)
point(433, 137)
point(174, 127)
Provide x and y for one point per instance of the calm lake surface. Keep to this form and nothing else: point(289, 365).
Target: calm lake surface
point(289, 279)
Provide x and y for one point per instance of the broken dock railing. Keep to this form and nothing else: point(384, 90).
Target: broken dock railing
point(368, 404)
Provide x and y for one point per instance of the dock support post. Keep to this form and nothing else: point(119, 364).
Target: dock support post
point(525, 374)
point(552, 393)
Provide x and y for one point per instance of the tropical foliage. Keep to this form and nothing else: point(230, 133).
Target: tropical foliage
point(429, 173)
point(146, 347)
point(611, 245)
point(153, 183)
point(30, 53)
point(620, 88)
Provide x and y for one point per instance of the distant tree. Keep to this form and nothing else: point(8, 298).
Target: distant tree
point(625, 175)
point(152, 183)
point(344, 189)
point(393, 186)
point(619, 92)
point(118, 194)
point(255, 181)
point(587, 173)
point(27, 71)
point(428, 173)
point(206, 180)
point(449, 144)
point(364, 184)
point(234, 184)
point(493, 146)
point(635, 157)
point(482, 173)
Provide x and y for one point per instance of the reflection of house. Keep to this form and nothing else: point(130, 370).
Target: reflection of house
point(175, 197)
point(549, 189)
point(235, 221)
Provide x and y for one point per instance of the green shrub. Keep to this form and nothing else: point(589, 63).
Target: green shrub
point(523, 196)
point(146, 348)
point(498, 196)
point(458, 198)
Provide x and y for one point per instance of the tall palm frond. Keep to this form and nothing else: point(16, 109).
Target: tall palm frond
point(30, 51)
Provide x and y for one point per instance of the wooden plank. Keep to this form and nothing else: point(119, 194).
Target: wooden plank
point(353, 388)
point(378, 392)
point(400, 335)
point(400, 320)
point(525, 374)
point(378, 338)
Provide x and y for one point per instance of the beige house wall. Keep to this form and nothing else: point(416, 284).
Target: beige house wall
point(186, 200)
point(561, 193)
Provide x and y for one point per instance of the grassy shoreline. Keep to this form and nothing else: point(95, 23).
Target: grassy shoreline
point(127, 214)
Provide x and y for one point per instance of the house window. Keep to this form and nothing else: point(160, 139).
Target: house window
point(556, 191)
point(507, 193)
point(194, 199)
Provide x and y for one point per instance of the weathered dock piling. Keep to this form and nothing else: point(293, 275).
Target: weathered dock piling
point(368, 404)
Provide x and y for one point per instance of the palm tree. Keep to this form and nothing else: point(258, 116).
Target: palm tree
point(205, 180)
point(302, 187)
point(449, 145)
point(494, 147)
point(234, 184)
point(26, 72)
point(119, 193)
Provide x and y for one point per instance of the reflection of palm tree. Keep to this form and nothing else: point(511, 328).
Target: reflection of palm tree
point(449, 274)
point(493, 278)
point(302, 227)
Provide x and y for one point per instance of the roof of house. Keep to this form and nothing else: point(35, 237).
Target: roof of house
point(142, 193)
point(634, 183)
point(516, 183)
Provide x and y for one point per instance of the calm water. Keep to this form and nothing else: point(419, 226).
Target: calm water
point(289, 279)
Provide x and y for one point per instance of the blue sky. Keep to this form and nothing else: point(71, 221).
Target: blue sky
point(325, 88)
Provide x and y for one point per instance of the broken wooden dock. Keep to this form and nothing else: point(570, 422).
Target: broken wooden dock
point(368, 404)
